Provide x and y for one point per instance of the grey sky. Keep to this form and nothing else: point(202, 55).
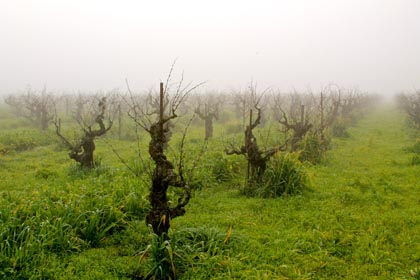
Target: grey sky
point(93, 44)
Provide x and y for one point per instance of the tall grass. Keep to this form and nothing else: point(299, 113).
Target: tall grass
point(170, 257)
point(52, 221)
point(360, 221)
point(285, 175)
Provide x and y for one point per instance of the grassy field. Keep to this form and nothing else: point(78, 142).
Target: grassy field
point(360, 218)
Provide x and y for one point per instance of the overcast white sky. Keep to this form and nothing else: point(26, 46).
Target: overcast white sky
point(96, 44)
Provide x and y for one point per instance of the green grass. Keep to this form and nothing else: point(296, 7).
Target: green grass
point(359, 219)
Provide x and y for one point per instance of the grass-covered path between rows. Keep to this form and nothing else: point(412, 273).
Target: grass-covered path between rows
point(360, 220)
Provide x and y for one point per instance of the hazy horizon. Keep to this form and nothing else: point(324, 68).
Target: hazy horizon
point(93, 45)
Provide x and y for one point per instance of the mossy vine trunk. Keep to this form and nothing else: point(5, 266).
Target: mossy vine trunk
point(164, 176)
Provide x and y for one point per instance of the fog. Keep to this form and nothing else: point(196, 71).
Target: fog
point(92, 45)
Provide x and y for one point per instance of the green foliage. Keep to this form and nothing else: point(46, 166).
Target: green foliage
point(234, 128)
point(224, 168)
point(313, 148)
point(415, 160)
point(171, 257)
point(51, 221)
point(414, 149)
point(415, 273)
point(22, 140)
point(46, 173)
point(285, 175)
point(135, 206)
point(339, 128)
point(162, 259)
point(93, 225)
point(359, 221)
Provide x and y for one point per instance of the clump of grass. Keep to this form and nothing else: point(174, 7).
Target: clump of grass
point(46, 173)
point(169, 257)
point(162, 258)
point(285, 175)
point(223, 169)
point(414, 148)
point(313, 148)
point(75, 170)
point(415, 160)
point(51, 221)
point(136, 206)
point(94, 225)
point(199, 243)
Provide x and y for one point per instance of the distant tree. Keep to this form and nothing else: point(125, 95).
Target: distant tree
point(351, 100)
point(329, 103)
point(38, 108)
point(245, 100)
point(83, 148)
point(410, 103)
point(242, 102)
point(209, 111)
point(295, 120)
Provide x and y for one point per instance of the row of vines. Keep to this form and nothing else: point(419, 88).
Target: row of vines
point(257, 141)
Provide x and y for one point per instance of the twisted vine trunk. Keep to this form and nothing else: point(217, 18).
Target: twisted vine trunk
point(82, 152)
point(164, 176)
point(257, 159)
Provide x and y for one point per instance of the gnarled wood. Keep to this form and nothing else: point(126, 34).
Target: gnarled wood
point(257, 159)
point(164, 176)
point(82, 151)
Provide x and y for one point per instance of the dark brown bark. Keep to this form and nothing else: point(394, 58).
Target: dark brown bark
point(163, 177)
point(82, 152)
point(257, 159)
point(299, 128)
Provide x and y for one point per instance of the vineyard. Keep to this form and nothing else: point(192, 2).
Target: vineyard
point(174, 183)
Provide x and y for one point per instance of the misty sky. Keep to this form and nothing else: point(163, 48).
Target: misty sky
point(286, 44)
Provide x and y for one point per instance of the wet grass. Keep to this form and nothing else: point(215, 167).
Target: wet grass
point(359, 219)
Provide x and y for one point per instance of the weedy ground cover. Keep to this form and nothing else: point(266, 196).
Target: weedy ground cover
point(359, 219)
